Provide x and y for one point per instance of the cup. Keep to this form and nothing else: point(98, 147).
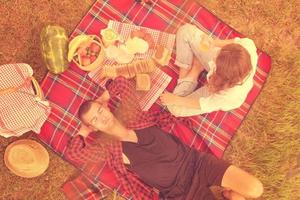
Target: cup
point(109, 36)
point(205, 43)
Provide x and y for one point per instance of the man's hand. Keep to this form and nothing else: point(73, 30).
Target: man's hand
point(104, 98)
point(84, 130)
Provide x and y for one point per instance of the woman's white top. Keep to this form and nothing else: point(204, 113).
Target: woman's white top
point(234, 97)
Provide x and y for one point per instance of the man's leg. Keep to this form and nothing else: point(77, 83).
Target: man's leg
point(238, 183)
point(241, 184)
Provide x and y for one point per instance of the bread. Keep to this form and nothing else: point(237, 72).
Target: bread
point(143, 82)
point(137, 33)
point(144, 66)
point(136, 45)
point(129, 70)
point(109, 72)
point(143, 35)
point(162, 55)
point(132, 71)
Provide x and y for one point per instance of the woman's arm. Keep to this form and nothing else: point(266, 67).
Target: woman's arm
point(172, 99)
point(221, 43)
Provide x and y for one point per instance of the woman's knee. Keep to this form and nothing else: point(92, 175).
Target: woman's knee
point(185, 31)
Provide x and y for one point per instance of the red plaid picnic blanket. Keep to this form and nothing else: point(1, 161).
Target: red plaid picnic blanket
point(159, 82)
point(159, 79)
point(212, 132)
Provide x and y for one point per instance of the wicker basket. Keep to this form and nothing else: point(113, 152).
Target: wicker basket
point(37, 89)
point(97, 63)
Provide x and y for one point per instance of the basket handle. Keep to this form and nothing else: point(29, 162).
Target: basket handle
point(37, 88)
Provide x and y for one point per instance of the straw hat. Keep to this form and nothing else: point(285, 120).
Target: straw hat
point(26, 158)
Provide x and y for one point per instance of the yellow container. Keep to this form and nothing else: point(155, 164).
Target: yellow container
point(98, 62)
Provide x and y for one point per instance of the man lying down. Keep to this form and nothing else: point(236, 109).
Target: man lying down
point(149, 159)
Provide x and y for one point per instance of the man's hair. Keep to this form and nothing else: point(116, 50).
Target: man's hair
point(233, 65)
point(84, 108)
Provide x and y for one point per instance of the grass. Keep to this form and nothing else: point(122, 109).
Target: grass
point(267, 143)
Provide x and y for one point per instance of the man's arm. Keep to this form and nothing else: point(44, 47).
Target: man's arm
point(79, 150)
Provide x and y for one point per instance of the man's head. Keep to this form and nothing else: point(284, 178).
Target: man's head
point(96, 116)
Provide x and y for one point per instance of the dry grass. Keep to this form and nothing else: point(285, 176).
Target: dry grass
point(267, 143)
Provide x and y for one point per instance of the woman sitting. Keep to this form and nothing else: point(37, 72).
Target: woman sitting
point(231, 65)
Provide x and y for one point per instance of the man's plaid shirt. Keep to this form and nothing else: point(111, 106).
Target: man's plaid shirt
point(88, 154)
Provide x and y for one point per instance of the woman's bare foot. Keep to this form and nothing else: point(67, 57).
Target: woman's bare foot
point(188, 79)
point(196, 69)
point(193, 72)
point(183, 73)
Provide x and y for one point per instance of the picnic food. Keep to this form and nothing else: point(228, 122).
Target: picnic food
point(162, 55)
point(123, 55)
point(26, 158)
point(109, 36)
point(143, 35)
point(129, 70)
point(86, 51)
point(112, 52)
point(143, 82)
point(54, 46)
point(119, 54)
point(136, 45)
point(75, 43)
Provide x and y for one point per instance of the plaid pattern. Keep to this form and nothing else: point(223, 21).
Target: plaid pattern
point(96, 156)
point(125, 29)
point(20, 111)
point(82, 182)
point(159, 79)
point(212, 131)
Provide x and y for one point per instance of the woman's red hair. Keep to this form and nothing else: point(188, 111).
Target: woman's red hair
point(233, 65)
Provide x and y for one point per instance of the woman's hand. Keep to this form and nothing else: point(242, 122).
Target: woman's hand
point(170, 99)
point(221, 43)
